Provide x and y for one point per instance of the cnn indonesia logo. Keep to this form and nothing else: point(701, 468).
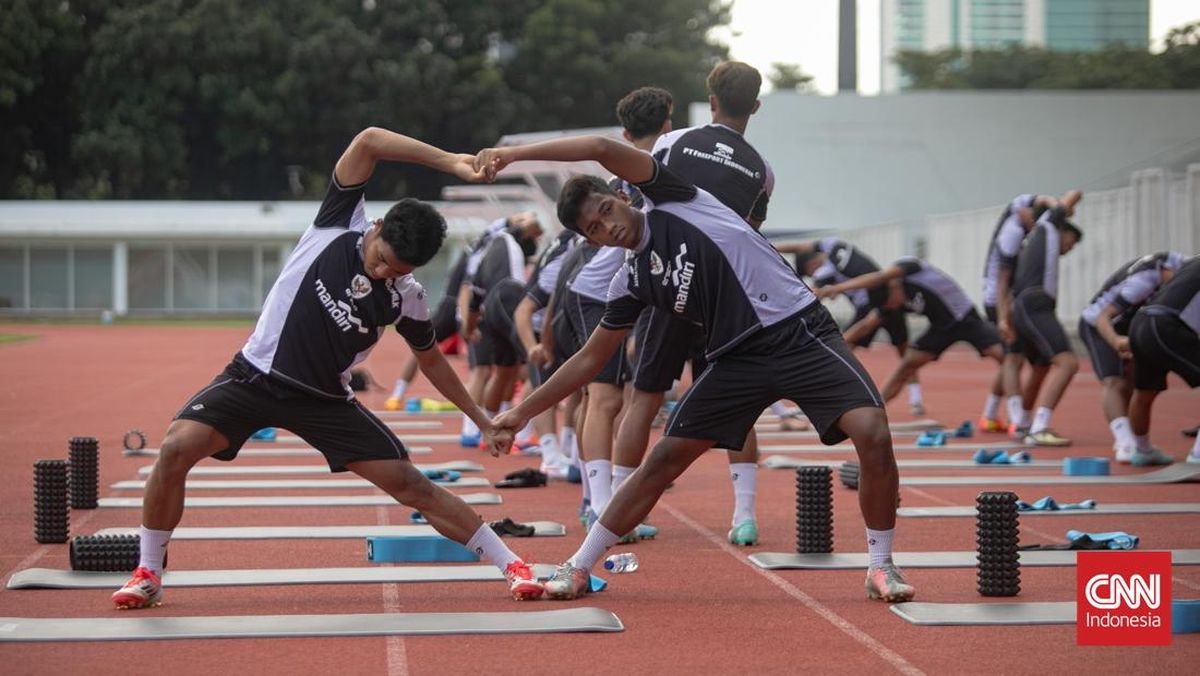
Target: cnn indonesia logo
point(1123, 598)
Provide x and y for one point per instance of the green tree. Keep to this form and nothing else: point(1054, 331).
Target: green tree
point(1182, 56)
point(1019, 67)
point(576, 58)
point(787, 77)
point(42, 50)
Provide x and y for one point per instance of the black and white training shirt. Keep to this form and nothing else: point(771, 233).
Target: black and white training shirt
point(932, 293)
point(594, 278)
point(458, 271)
point(718, 159)
point(499, 259)
point(1037, 264)
point(324, 314)
point(1005, 245)
point(700, 260)
point(842, 262)
point(544, 278)
point(1130, 286)
point(1181, 295)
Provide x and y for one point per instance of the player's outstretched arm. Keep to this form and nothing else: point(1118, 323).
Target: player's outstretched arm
point(623, 160)
point(442, 376)
point(572, 375)
point(868, 281)
point(375, 144)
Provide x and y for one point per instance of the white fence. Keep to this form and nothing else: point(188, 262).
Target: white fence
point(1156, 212)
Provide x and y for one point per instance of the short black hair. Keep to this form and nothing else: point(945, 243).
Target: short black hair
point(802, 259)
point(736, 85)
point(574, 193)
point(644, 111)
point(414, 230)
point(1070, 227)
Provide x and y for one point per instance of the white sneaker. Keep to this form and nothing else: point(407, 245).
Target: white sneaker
point(1151, 458)
point(1124, 453)
point(1193, 459)
point(556, 468)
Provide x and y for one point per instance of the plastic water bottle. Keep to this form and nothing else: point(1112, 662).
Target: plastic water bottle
point(626, 562)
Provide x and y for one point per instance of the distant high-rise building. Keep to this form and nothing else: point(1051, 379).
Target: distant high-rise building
point(1064, 25)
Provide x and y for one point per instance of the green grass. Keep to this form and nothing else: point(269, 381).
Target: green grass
point(14, 337)
point(189, 322)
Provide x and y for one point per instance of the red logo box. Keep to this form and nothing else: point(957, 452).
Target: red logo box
point(1123, 598)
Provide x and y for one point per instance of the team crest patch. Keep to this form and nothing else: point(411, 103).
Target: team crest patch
point(360, 286)
point(656, 264)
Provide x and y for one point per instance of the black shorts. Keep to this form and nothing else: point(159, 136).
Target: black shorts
point(892, 321)
point(498, 343)
point(664, 346)
point(242, 400)
point(802, 358)
point(445, 318)
point(1038, 327)
point(584, 315)
point(1105, 360)
point(1160, 343)
point(970, 329)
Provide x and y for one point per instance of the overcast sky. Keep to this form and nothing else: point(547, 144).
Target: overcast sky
point(762, 32)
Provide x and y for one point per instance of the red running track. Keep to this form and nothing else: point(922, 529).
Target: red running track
point(696, 605)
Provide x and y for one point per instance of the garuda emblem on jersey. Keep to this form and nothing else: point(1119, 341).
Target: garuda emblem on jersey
point(656, 264)
point(360, 286)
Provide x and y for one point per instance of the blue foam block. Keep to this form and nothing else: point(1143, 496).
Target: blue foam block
point(394, 548)
point(413, 405)
point(931, 438)
point(1085, 467)
point(1185, 616)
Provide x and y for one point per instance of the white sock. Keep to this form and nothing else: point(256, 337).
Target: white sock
point(745, 485)
point(1122, 432)
point(526, 433)
point(487, 544)
point(914, 394)
point(619, 474)
point(598, 540)
point(879, 545)
point(587, 487)
point(1196, 447)
point(1041, 420)
point(153, 549)
point(780, 409)
point(551, 455)
point(400, 388)
point(1014, 410)
point(469, 428)
point(566, 442)
point(1026, 418)
point(991, 408)
point(598, 475)
point(1142, 441)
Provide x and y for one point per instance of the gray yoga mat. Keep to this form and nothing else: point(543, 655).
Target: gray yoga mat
point(1177, 473)
point(290, 452)
point(1101, 508)
point(784, 462)
point(540, 529)
point(236, 468)
point(110, 628)
point(1039, 557)
point(298, 501)
point(965, 449)
point(270, 484)
point(50, 578)
point(1042, 612)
